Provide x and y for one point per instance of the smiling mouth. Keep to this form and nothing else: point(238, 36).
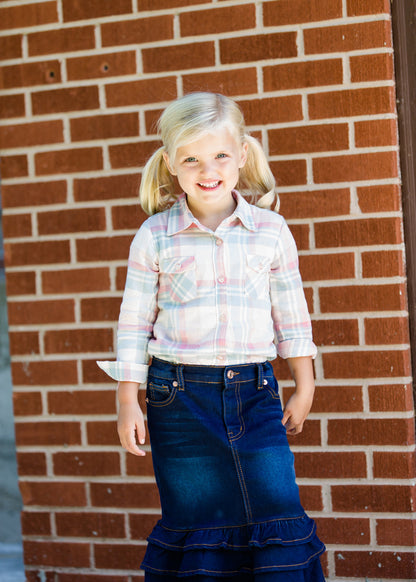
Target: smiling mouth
point(209, 185)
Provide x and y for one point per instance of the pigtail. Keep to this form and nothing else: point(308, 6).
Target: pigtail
point(256, 178)
point(157, 186)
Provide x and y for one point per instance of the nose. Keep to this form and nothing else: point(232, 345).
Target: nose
point(206, 167)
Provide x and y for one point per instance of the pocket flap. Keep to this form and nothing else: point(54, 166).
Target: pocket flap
point(177, 264)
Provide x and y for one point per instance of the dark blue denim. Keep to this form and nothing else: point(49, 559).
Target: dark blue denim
point(225, 473)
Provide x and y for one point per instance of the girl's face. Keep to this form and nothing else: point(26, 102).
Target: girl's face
point(208, 170)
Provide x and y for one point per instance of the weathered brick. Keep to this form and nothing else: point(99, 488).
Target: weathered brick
point(330, 465)
point(30, 312)
point(100, 308)
point(47, 433)
point(25, 342)
point(104, 126)
point(13, 166)
point(363, 7)
point(102, 65)
point(150, 4)
point(20, 283)
point(370, 431)
point(76, 280)
point(390, 465)
point(141, 92)
point(326, 267)
point(351, 102)
point(30, 74)
point(272, 110)
point(63, 100)
point(28, 15)
point(396, 532)
point(86, 464)
point(386, 330)
point(280, 45)
point(383, 264)
point(61, 40)
point(335, 332)
point(102, 432)
point(372, 166)
point(229, 82)
point(362, 298)
point(367, 498)
point(143, 466)
point(376, 133)
point(127, 217)
point(12, 106)
point(78, 340)
point(349, 37)
point(94, 9)
point(36, 253)
point(33, 464)
point(137, 31)
point(368, 231)
point(17, 225)
point(61, 554)
point(92, 374)
point(308, 138)
point(311, 497)
point(141, 525)
point(178, 57)
point(368, 364)
point(27, 403)
point(300, 233)
point(91, 578)
point(33, 194)
point(124, 495)
point(310, 435)
point(81, 402)
point(395, 397)
point(218, 20)
point(90, 524)
point(380, 565)
point(71, 220)
point(302, 74)
point(36, 523)
point(30, 134)
point(106, 188)
point(11, 46)
point(64, 494)
point(131, 154)
point(334, 398)
point(63, 161)
point(344, 530)
point(380, 198)
point(118, 556)
point(378, 67)
point(283, 12)
point(44, 373)
point(319, 203)
point(103, 249)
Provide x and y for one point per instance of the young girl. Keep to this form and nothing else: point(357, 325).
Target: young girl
point(213, 292)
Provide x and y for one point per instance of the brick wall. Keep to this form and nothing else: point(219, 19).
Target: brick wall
point(81, 86)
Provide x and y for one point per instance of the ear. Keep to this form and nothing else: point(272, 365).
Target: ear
point(244, 154)
point(168, 164)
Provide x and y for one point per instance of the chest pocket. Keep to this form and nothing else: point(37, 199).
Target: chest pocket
point(257, 276)
point(178, 279)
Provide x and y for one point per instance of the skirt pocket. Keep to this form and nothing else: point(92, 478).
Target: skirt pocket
point(160, 393)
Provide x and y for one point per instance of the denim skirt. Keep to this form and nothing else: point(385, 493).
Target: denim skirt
point(225, 473)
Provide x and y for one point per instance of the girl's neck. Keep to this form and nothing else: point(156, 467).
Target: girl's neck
point(213, 219)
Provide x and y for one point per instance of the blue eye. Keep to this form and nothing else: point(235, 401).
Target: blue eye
point(190, 159)
point(221, 155)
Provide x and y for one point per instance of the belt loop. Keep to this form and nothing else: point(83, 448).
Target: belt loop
point(179, 376)
point(260, 376)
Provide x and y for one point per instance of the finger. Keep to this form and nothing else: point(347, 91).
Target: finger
point(286, 417)
point(128, 442)
point(141, 432)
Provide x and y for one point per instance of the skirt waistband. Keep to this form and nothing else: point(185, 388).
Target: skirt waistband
point(211, 374)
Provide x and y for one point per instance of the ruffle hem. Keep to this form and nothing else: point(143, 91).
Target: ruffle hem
point(286, 546)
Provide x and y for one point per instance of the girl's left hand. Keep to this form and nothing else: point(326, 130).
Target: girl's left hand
point(295, 412)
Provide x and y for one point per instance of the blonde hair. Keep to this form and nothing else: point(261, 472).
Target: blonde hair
point(186, 120)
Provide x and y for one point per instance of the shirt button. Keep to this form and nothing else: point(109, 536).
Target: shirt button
point(221, 358)
point(218, 242)
point(221, 280)
point(223, 316)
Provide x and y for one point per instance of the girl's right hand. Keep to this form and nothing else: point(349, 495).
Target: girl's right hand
point(130, 427)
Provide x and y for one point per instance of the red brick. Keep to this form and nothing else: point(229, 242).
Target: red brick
point(131, 154)
point(283, 12)
point(38, 253)
point(17, 225)
point(349, 37)
point(178, 57)
point(76, 280)
point(83, 525)
point(344, 530)
point(394, 397)
point(141, 525)
point(388, 465)
point(374, 431)
point(102, 432)
point(44, 373)
point(86, 464)
point(121, 273)
point(311, 497)
point(376, 133)
point(20, 283)
point(315, 203)
point(26, 342)
point(300, 233)
point(104, 126)
point(330, 465)
point(369, 231)
point(310, 436)
point(383, 264)
point(272, 110)
point(103, 249)
point(94, 9)
point(124, 495)
point(78, 340)
point(67, 161)
point(30, 312)
point(229, 82)
point(218, 20)
point(281, 45)
point(378, 67)
point(366, 364)
point(63, 100)
point(336, 332)
point(33, 576)
point(102, 65)
point(137, 31)
point(59, 554)
point(11, 46)
point(337, 399)
point(31, 464)
point(380, 565)
point(29, 74)
point(92, 374)
point(27, 403)
point(13, 166)
point(47, 433)
point(386, 330)
point(100, 308)
point(65, 494)
point(106, 188)
point(30, 134)
point(33, 194)
point(81, 402)
point(304, 74)
point(289, 172)
point(12, 106)
point(141, 92)
point(127, 217)
point(363, 7)
point(362, 298)
point(351, 102)
point(140, 466)
point(372, 166)
point(396, 532)
point(308, 138)
point(92, 578)
point(28, 15)
point(71, 220)
point(36, 523)
point(161, 4)
point(380, 198)
point(326, 267)
point(61, 40)
point(383, 498)
point(118, 556)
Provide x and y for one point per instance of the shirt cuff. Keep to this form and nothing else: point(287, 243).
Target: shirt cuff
point(125, 371)
point(296, 348)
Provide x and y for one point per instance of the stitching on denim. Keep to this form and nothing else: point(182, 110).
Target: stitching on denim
point(236, 526)
point(239, 414)
point(164, 402)
point(242, 483)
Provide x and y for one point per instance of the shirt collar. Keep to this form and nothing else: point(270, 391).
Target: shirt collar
point(180, 217)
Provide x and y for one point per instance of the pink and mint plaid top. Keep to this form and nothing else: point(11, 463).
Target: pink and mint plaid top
point(195, 296)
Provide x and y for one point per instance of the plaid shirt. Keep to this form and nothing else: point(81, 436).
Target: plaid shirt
point(195, 296)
